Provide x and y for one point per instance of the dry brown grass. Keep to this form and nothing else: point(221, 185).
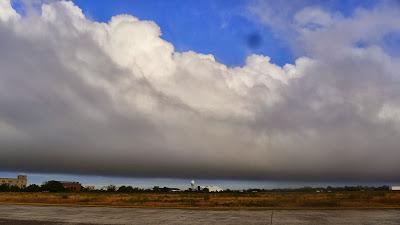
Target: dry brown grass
point(213, 200)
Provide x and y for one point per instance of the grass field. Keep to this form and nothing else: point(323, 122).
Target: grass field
point(277, 200)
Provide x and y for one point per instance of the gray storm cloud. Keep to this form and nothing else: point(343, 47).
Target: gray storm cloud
point(82, 97)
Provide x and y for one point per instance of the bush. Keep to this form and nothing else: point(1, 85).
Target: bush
point(33, 188)
point(9, 188)
point(4, 188)
point(126, 189)
point(111, 188)
point(53, 186)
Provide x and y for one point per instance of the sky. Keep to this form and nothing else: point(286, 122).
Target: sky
point(253, 91)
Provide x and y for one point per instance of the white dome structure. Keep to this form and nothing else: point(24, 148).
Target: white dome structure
point(192, 183)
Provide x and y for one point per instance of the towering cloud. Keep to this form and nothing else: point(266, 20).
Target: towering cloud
point(78, 96)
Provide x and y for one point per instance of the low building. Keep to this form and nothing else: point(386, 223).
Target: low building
point(204, 188)
point(71, 185)
point(175, 190)
point(165, 189)
point(21, 181)
point(213, 188)
point(395, 188)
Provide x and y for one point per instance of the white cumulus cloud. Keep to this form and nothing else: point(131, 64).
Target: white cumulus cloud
point(78, 96)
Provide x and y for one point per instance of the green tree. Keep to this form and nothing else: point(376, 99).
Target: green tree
point(4, 188)
point(126, 189)
point(33, 188)
point(111, 188)
point(53, 186)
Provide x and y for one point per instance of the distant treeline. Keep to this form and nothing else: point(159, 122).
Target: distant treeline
point(56, 186)
point(323, 189)
point(49, 186)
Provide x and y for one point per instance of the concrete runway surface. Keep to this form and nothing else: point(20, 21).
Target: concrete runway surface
point(58, 215)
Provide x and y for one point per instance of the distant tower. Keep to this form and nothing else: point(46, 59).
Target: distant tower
point(22, 181)
point(192, 185)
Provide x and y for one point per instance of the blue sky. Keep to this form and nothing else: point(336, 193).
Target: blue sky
point(225, 28)
point(222, 28)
